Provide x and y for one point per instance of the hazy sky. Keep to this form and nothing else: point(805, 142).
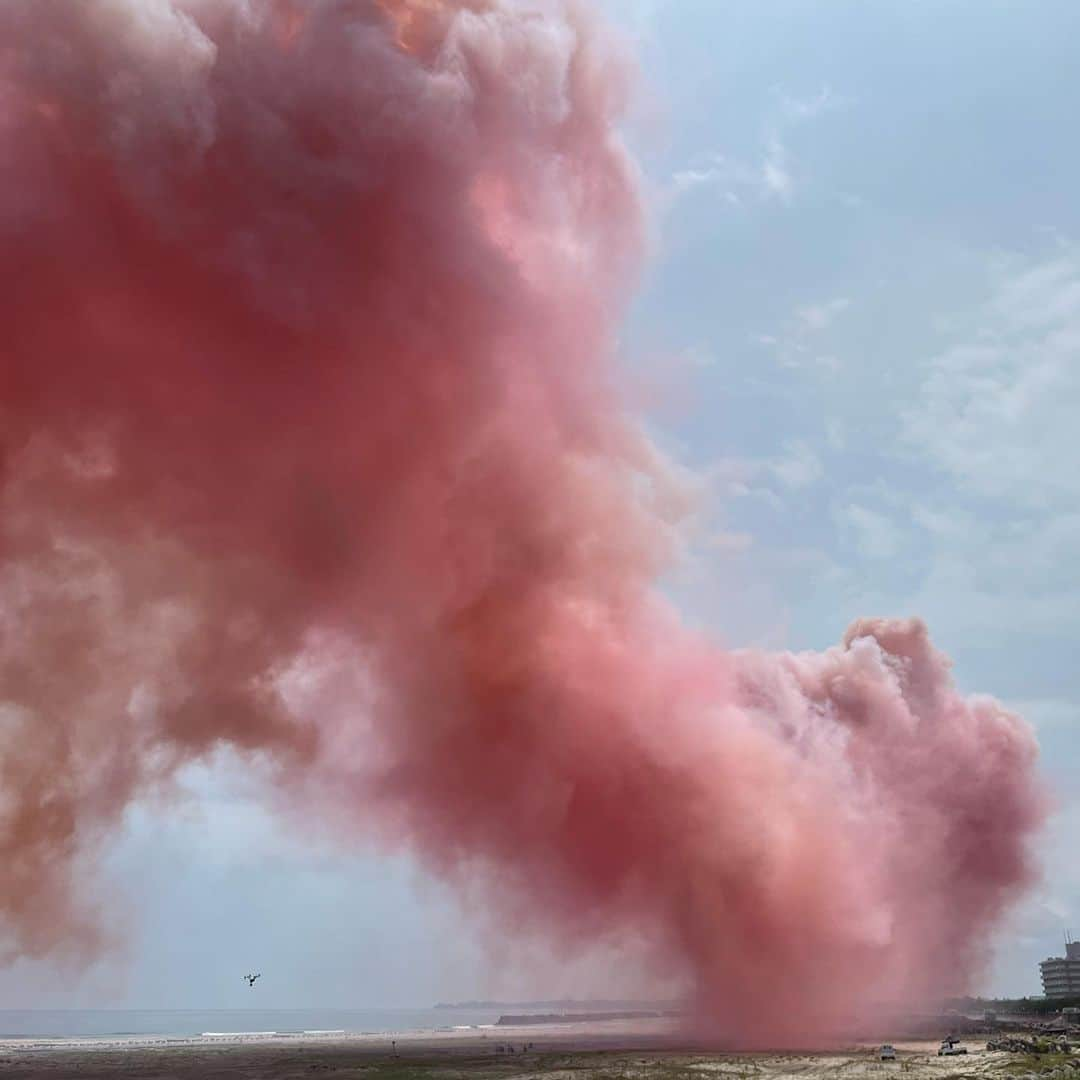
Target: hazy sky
point(861, 325)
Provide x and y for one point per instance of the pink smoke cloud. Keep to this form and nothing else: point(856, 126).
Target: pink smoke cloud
point(311, 446)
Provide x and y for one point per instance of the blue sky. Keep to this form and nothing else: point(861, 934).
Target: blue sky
point(861, 326)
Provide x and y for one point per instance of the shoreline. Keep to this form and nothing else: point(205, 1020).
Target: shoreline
point(478, 1036)
point(668, 1034)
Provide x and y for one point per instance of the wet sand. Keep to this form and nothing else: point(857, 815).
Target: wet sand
point(562, 1052)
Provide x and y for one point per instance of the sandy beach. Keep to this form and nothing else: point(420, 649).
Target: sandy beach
point(559, 1052)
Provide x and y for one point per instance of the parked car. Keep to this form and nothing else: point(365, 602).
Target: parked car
point(951, 1047)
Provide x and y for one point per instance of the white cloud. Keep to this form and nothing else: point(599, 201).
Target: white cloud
point(976, 574)
point(798, 468)
point(688, 179)
point(822, 316)
point(835, 433)
point(1040, 296)
point(776, 176)
point(764, 178)
point(794, 346)
point(998, 412)
point(875, 535)
point(807, 108)
point(736, 182)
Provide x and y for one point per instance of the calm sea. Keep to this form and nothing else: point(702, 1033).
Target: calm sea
point(76, 1023)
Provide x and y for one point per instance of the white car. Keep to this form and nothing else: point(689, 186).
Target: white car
point(950, 1049)
point(888, 1053)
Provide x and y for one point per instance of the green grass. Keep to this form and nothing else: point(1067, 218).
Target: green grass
point(1021, 1064)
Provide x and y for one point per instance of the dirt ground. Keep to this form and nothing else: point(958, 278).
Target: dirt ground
point(472, 1059)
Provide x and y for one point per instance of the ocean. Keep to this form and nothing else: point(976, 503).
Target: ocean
point(185, 1023)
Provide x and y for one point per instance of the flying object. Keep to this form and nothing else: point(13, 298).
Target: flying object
point(251, 979)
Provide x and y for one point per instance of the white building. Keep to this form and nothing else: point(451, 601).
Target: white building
point(1061, 974)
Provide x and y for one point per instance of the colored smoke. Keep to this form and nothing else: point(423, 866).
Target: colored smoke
point(311, 446)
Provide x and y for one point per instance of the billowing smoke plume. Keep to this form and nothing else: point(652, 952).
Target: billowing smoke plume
point(310, 446)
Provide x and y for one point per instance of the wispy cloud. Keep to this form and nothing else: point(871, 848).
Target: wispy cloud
point(798, 468)
point(825, 100)
point(767, 480)
point(737, 182)
point(776, 175)
point(770, 175)
point(723, 176)
point(798, 344)
point(815, 317)
point(997, 411)
point(874, 534)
